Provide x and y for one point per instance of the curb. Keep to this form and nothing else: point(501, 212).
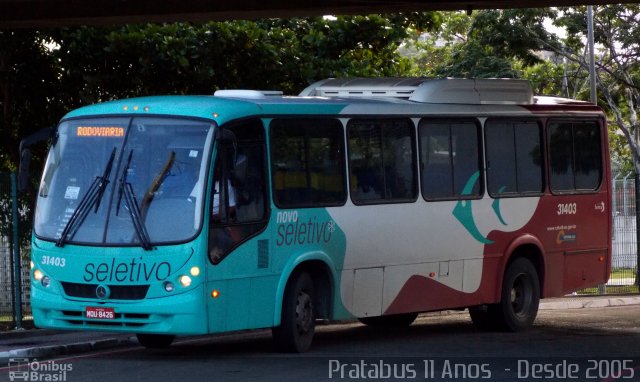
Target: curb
point(73, 348)
point(575, 303)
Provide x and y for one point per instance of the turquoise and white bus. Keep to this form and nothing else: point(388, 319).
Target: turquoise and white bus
point(374, 199)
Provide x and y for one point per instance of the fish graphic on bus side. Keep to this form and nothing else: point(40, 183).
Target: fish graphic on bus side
point(428, 228)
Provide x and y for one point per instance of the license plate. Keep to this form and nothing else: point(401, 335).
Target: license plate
point(100, 313)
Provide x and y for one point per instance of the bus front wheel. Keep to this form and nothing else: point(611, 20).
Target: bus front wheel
point(297, 326)
point(155, 341)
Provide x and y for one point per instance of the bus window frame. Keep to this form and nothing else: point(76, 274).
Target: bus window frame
point(271, 163)
point(118, 167)
point(598, 121)
point(264, 222)
point(543, 158)
point(414, 157)
point(481, 161)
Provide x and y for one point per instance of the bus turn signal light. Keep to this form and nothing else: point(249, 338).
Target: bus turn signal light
point(215, 293)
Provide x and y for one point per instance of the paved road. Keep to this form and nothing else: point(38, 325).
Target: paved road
point(567, 343)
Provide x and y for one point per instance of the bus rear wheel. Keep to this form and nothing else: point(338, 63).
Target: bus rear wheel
point(520, 296)
point(155, 341)
point(519, 300)
point(391, 321)
point(297, 326)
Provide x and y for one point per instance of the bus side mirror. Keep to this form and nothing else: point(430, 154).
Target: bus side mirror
point(25, 153)
point(23, 171)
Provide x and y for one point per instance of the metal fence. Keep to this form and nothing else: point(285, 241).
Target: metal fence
point(14, 256)
point(624, 262)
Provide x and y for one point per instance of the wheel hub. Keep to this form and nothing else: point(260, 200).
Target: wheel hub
point(304, 313)
point(520, 294)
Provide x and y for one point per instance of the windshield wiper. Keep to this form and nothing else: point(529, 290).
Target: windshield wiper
point(91, 198)
point(125, 189)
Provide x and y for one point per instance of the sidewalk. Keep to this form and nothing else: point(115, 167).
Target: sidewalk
point(580, 302)
point(41, 343)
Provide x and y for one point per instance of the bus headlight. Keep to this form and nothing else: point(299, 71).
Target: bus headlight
point(195, 271)
point(38, 275)
point(185, 281)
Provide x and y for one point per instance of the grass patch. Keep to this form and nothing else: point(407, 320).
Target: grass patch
point(611, 289)
point(622, 273)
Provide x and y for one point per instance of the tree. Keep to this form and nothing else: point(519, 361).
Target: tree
point(489, 43)
point(104, 63)
point(617, 34)
point(28, 81)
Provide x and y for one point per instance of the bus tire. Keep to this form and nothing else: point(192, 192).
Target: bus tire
point(520, 297)
point(155, 341)
point(391, 321)
point(297, 326)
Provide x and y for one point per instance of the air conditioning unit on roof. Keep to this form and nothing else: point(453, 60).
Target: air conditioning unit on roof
point(424, 90)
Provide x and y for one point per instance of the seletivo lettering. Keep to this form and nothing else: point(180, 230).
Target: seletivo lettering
point(133, 271)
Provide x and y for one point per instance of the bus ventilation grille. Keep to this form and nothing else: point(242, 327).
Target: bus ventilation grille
point(132, 320)
point(118, 292)
point(263, 254)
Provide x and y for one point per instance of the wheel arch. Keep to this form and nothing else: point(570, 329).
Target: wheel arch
point(320, 267)
point(529, 247)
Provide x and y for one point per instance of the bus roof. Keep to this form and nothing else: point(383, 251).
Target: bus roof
point(389, 96)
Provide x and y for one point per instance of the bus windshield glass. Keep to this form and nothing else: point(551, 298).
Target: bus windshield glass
point(124, 181)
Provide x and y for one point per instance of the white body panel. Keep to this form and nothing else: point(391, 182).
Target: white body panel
point(391, 243)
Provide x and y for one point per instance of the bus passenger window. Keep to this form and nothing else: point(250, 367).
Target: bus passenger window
point(307, 159)
point(514, 157)
point(575, 158)
point(382, 160)
point(449, 159)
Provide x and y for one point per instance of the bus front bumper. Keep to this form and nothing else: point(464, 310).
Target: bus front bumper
point(181, 314)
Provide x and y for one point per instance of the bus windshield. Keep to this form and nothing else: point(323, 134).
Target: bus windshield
point(124, 181)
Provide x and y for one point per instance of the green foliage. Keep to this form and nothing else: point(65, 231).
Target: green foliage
point(180, 58)
point(514, 33)
point(490, 43)
point(545, 77)
point(473, 60)
point(28, 79)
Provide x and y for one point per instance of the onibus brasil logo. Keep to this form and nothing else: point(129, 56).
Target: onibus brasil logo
point(25, 369)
